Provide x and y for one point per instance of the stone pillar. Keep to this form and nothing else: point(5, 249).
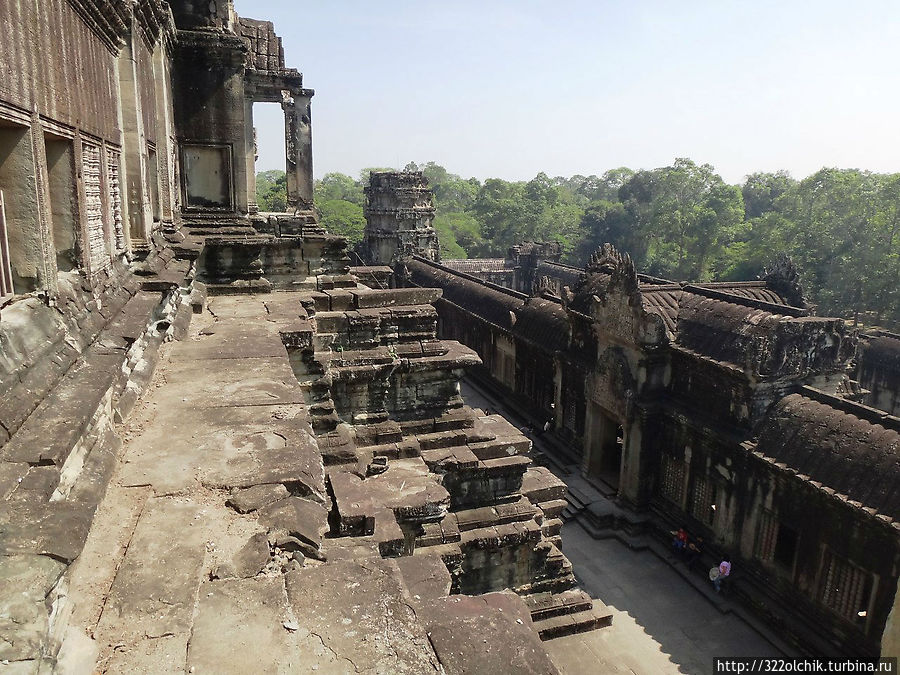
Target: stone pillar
point(134, 170)
point(165, 134)
point(250, 145)
point(46, 262)
point(298, 148)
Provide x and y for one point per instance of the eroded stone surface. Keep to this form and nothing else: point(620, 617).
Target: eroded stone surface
point(254, 498)
point(296, 517)
point(360, 610)
point(155, 588)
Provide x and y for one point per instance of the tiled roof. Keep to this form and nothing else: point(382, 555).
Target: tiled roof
point(838, 449)
point(476, 265)
point(755, 290)
point(491, 304)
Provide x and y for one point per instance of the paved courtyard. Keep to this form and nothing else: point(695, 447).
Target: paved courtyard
point(661, 623)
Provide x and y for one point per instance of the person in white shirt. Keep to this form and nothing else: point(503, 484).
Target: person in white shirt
point(724, 572)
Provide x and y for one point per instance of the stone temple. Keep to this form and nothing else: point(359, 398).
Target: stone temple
point(223, 448)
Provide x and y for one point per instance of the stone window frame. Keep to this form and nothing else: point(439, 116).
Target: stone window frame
point(183, 146)
point(845, 589)
point(702, 498)
point(672, 473)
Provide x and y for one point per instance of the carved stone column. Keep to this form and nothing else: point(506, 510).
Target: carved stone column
point(298, 148)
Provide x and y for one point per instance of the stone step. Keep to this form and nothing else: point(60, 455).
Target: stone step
point(510, 534)
point(553, 508)
point(551, 527)
point(500, 514)
point(506, 446)
point(441, 439)
point(451, 554)
point(555, 584)
point(552, 627)
point(546, 605)
point(540, 485)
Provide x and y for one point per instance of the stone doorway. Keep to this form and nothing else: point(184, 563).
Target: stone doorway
point(607, 440)
point(270, 158)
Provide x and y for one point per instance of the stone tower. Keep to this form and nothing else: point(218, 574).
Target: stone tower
point(399, 211)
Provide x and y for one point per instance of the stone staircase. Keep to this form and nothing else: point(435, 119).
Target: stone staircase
point(576, 503)
point(572, 611)
point(413, 471)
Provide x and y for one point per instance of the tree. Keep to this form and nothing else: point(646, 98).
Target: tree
point(762, 190)
point(271, 191)
point(606, 221)
point(464, 231)
point(339, 186)
point(343, 218)
point(687, 214)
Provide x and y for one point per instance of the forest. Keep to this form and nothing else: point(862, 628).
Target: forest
point(683, 222)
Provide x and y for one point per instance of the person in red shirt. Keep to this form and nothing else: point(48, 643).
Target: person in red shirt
point(680, 541)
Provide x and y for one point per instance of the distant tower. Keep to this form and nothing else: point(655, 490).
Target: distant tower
point(399, 211)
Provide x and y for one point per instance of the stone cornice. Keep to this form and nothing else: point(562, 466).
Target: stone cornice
point(211, 48)
point(154, 20)
point(108, 19)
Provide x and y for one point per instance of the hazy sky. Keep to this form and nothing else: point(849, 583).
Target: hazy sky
point(508, 88)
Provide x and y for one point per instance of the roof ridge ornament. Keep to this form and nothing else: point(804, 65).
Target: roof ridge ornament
point(783, 277)
point(606, 261)
point(609, 260)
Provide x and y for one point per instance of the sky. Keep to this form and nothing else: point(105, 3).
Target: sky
point(510, 88)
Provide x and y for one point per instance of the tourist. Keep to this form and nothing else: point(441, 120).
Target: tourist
point(693, 552)
point(724, 573)
point(680, 541)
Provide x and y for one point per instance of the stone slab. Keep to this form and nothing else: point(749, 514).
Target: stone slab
point(254, 498)
point(225, 448)
point(485, 634)
point(407, 488)
point(154, 591)
point(232, 340)
point(426, 576)
point(361, 613)
point(246, 626)
point(298, 517)
point(253, 556)
point(57, 529)
point(25, 582)
point(539, 485)
point(216, 383)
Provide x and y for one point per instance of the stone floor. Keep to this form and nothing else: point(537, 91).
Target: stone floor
point(661, 622)
point(180, 574)
point(149, 590)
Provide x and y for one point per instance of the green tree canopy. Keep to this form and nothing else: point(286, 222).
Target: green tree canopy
point(344, 218)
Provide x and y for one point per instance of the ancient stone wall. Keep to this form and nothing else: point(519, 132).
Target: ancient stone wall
point(56, 65)
point(878, 371)
point(687, 376)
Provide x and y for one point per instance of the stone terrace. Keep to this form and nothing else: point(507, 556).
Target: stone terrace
point(213, 549)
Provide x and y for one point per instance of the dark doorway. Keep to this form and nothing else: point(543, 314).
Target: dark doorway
point(607, 443)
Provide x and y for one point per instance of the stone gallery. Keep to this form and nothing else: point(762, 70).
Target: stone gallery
point(223, 448)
